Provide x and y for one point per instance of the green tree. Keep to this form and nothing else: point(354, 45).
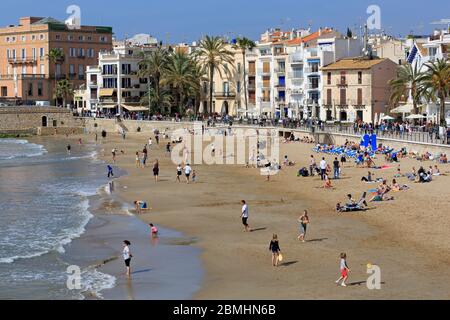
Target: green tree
point(153, 67)
point(63, 90)
point(213, 54)
point(409, 80)
point(245, 44)
point(436, 82)
point(56, 57)
point(157, 102)
point(349, 33)
point(180, 75)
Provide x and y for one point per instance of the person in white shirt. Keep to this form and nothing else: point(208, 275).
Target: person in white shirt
point(127, 256)
point(187, 172)
point(323, 168)
point(150, 143)
point(244, 216)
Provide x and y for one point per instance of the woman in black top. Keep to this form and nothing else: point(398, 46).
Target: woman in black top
point(275, 248)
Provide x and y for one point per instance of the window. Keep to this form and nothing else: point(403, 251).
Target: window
point(238, 87)
point(8, 54)
point(126, 83)
point(80, 38)
point(110, 83)
point(30, 89)
point(72, 52)
point(89, 38)
point(239, 68)
point(360, 97)
point(4, 91)
point(13, 39)
point(42, 69)
point(58, 70)
point(90, 53)
point(58, 37)
point(80, 52)
point(8, 39)
point(80, 72)
point(41, 52)
point(126, 68)
point(24, 38)
point(34, 70)
point(103, 39)
point(343, 97)
point(41, 37)
point(70, 37)
point(343, 78)
point(33, 37)
point(33, 53)
point(71, 70)
point(24, 54)
point(24, 69)
point(359, 77)
point(329, 95)
point(13, 54)
point(109, 69)
point(329, 78)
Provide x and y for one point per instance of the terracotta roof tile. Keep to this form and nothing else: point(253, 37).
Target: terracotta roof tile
point(353, 63)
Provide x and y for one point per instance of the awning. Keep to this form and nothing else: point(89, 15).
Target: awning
point(406, 108)
point(107, 106)
point(135, 108)
point(106, 92)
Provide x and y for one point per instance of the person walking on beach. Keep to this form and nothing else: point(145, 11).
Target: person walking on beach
point(126, 253)
point(157, 137)
point(344, 269)
point(244, 216)
point(274, 247)
point(179, 172)
point(304, 221)
point(154, 230)
point(323, 168)
point(187, 172)
point(150, 143)
point(69, 148)
point(156, 170)
point(113, 152)
point(110, 171)
point(138, 160)
point(336, 168)
point(145, 156)
point(312, 166)
point(168, 146)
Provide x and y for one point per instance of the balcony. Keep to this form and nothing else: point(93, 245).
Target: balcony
point(280, 86)
point(251, 86)
point(251, 72)
point(296, 91)
point(264, 85)
point(72, 76)
point(342, 83)
point(280, 70)
point(296, 75)
point(25, 76)
point(312, 101)
point(297, 82)
point(296, 58)
point(262, 71)
point(93, 84)
point(357, 104)
point(312, 86)
point(224, 95)
point(23, 60)
point(311, 70)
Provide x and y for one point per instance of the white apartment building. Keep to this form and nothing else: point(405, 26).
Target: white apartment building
point(287, 71)
point(114, 85)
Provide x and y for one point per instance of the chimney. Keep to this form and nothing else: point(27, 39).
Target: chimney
point(320, 31)
point(26, 21)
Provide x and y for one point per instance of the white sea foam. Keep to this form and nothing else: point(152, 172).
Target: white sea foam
point(94, 281)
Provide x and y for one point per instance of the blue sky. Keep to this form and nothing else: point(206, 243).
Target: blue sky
point(188, 20)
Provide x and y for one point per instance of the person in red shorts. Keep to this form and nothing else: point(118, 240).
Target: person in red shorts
point(344, 270)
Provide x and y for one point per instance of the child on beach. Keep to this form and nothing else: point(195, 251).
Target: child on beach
point(156, 171)
point(154, 230)
point(110, 171)
point(179, 172)
point(194, 176)
point(244, 216)
point(274, 247)
point(126, 253)
point(138, 160)
point(344, 269)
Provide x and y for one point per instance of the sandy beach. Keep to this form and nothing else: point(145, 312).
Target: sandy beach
point(407, 238)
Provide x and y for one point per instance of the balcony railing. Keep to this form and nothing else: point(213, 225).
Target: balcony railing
point(280, 85)
point(297, 82)
point(312, 86)
point(264, 85)
point(251, 86)
point(296, 75)
point(342, 83)
point(312, 101)
point(225, 94)
point(296, 58)
point(311, 70)
point(22, 60)
point(263, 71)
point(280, 70)
point(297, 91)
point(22, 76)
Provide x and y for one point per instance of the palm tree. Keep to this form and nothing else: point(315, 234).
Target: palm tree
point(437, 84)
point(409, 81)
point(56, 57)
point(214, 55)
point(63, 90)
point(245, 44)
point(157, 102)
point(180, 75)
point(199, 75)
point(153, 67)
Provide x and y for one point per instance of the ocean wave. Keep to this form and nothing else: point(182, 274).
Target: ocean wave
point(67, 236)
point(24, 150)
point(94, 281)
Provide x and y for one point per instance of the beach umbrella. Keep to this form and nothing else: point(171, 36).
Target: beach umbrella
point(387, 118)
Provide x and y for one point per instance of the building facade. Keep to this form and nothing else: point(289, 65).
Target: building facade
point(357, 89)
point(26, 73)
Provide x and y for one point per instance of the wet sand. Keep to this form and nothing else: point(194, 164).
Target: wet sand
point(407, 238)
